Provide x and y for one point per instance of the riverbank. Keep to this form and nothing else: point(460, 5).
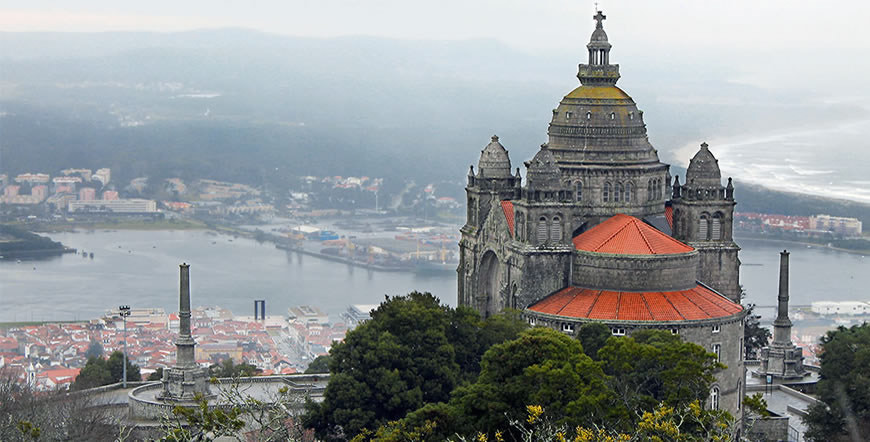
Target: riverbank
point(137, 224)
point(17, 242)
point(766, 238)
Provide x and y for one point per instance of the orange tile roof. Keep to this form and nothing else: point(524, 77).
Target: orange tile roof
point(669, 215)
point(696, 303)
point(508, 208)
point(627, 235)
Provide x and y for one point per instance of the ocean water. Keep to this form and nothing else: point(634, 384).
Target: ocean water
point(141, 269)
point(831, 160)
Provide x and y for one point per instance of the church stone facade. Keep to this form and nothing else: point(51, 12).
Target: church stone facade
point(599, 231)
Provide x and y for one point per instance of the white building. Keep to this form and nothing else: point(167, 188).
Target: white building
point(115, 206)
point(840, 308)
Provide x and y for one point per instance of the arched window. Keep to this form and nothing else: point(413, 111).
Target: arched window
point(629, 191)
point(605, 195)
point(704, 227)
point(542, 230)
point(588, 115)
point(617, 195)
point(714, 398)
point(658, 188)
point(649, 190)
point(556, 229)
point(613, 115)
point(579, 191)
point(716, 227)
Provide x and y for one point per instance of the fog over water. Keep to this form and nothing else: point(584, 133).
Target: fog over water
point(141, 269)
point(830, 160)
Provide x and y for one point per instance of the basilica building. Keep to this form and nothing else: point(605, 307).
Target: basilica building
point(601, 232)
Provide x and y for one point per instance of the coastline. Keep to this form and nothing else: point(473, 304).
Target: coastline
point(743, 235)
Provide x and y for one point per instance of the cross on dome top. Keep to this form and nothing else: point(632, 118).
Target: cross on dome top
point(599, 17)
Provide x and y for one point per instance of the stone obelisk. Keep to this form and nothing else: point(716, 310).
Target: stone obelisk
point(185, 381)
point(782, 359)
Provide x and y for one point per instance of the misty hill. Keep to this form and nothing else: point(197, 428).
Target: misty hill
point(246, 106)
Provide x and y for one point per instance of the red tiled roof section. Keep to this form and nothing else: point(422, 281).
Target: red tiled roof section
point(627, 235)
point(695, 303)
point(669, 215)
point(508, 208)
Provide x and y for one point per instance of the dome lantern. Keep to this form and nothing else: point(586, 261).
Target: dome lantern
point(598, 70)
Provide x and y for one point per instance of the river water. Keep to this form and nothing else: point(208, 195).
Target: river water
point(140, 268)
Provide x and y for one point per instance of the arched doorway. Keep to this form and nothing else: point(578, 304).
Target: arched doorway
point(489, 300)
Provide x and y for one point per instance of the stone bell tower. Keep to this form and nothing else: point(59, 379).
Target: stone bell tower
point(703, 217)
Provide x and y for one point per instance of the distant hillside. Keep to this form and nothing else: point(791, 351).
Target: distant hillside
point(252, 107)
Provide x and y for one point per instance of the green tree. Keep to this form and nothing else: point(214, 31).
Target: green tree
point(99, 371)
point(115, 364)
point(412, 352)
point(844, 386)
point(157, 375)
point(755, 337)
point(593, 336)
point(229, 369)
point(95, 349)
point(635, 376)
point(320, 364)
point(94, 374)
point(541, 366)
point(655, 366)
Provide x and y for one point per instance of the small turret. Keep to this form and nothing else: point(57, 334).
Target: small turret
point(494, 161)
point(542, 173)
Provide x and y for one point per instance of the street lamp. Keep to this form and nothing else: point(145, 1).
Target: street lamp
point(124, 311)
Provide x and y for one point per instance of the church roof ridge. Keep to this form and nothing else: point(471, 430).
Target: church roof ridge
point(626, 235)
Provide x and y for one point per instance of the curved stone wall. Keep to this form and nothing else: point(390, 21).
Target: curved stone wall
point(642, 273)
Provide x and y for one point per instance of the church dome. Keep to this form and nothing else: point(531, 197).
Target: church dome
point(598, 124)
point(494, 161)
point(703, 169)
point(542, 171)
point(599, 36)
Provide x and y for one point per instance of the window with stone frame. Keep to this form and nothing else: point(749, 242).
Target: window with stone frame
point(579, 194)
point(618, 192)
point(542, 230)
point(717, 350)
point(704, 227)
point(716, 226)
point(556, 229)
point(714, 398)
point(568, 328)
point(629, 191)
point(605, 194)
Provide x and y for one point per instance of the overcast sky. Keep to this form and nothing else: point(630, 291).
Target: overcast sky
point(525, 24)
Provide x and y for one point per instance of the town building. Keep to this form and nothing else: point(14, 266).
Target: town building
point(599, 231)
point(114, 206)
point(836, 224)
point(87, 194)
point(356, 314)
point(33, 178)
